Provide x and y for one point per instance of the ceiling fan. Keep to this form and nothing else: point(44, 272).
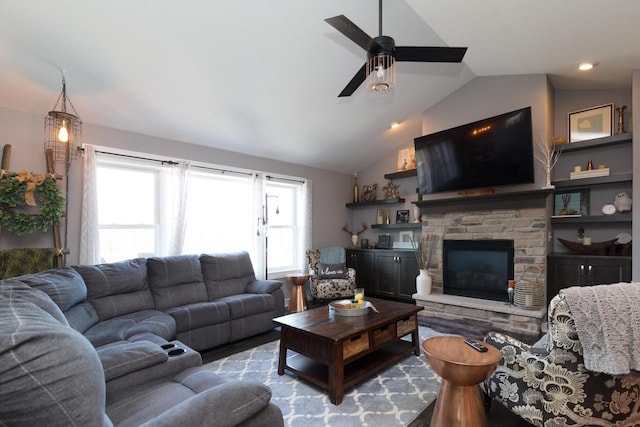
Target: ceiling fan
point(382, 53)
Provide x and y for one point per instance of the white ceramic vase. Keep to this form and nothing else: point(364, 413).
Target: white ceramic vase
point(423, 282)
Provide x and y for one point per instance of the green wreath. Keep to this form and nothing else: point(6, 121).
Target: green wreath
point(12, 201)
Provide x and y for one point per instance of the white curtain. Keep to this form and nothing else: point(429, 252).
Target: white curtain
point(179, 220)
point(304, 237)
point(259, 255)
point(89, 232)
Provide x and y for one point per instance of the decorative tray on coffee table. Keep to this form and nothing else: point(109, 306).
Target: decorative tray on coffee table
point(346, 307)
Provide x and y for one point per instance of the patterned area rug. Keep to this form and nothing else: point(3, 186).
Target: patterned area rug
point(392, 398)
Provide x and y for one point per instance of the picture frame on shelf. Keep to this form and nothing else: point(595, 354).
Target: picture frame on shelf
point(591, 123)
point(402, 216)
point(384, 241)
point(381, 216)
point(405, 236)
point(570, 204)
point(406, 159)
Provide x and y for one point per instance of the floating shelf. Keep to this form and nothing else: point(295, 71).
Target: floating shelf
point(401, 174)
point(510, 200)
point(375, 203)
point(587, 182)
point(587, 219)
point(411, 225)
point(623, 138)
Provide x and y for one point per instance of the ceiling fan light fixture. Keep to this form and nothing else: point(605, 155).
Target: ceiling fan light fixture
point(381, 73)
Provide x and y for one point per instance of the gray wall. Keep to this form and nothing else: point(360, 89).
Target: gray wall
point(24, 131)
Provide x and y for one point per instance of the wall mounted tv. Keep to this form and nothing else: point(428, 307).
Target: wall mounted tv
point(484, 154)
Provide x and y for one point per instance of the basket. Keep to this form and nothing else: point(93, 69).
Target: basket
point(595, 248)
point(528, 293)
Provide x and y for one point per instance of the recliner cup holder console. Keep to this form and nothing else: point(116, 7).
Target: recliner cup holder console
point(176, 352)
point(167, 346)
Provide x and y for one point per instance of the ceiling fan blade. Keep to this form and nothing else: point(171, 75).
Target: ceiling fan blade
point(355, 82)
point(429, 54)
point(352, 31)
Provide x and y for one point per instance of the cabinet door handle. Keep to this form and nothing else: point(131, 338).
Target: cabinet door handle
point(582, 269)
point(590, 270)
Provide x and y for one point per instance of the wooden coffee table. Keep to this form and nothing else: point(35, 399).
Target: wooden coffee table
point(337, 352)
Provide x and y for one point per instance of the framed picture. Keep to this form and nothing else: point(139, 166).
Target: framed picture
point(402, 216)
point(381, 216)
point(575, 203)
point(405, 236)
point(406, 159)
point(595, 122)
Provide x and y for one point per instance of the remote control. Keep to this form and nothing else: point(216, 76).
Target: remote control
point(476, 345)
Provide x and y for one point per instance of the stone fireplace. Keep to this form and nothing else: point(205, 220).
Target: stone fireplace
point(521, 219)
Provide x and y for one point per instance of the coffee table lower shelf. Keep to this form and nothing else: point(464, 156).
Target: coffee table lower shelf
point(355, 371)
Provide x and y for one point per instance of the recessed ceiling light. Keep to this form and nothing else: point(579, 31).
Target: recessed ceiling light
point(586, 66)
point(394, 125)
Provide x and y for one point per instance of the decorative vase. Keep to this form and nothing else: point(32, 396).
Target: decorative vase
point(423, 282)
point(354, 240)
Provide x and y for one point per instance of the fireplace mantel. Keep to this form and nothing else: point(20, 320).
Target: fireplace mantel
point(511, 200)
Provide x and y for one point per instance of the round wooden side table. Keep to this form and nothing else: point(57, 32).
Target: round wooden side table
point(298, 299)
point(462, 368)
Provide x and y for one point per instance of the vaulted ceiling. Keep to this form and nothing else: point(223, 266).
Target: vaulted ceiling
point(262, 77)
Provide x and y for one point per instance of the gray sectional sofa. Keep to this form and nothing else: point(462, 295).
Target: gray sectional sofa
point(115, 344)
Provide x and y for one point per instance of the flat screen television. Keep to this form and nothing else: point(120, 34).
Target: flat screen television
point(484, 154)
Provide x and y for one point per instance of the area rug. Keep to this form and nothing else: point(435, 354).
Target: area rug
point(393, 398)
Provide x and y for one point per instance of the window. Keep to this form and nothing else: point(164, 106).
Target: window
point(153, 208)
point(282, 199)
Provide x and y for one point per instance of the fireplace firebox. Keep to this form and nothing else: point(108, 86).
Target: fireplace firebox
point(477, 268)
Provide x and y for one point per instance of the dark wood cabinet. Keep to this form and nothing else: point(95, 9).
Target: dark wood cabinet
point(564, 271)
point(385, 273)
point(362, 261)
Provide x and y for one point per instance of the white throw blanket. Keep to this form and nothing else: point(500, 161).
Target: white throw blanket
point(607, 319)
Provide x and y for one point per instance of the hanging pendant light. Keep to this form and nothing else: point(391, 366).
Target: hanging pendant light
point(63, 130)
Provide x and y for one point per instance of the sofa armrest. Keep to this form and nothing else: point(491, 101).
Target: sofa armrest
point(125, 357)
point(263, 286)
point(225, 405)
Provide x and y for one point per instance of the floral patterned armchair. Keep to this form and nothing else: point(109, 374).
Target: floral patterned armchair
point(329, 288)
point(550, 386)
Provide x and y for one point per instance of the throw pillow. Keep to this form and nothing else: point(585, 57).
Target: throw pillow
point(332, 271)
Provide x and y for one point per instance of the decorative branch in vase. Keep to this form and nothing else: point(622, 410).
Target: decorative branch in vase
point(423, 251)
point(547, 155)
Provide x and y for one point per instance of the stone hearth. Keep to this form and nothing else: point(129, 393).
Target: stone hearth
point(498, 314)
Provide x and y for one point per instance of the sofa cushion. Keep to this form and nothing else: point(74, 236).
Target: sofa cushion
point(63, 285)
point(176, 281)
point(50, 374)
point(198, 315)
point(332, 271)
point(81, 316)
point(123, 327)
point(245, 305)
point(226, 274)
point(195, 397)
point(19, 291)
point(117, 288)
point(123, 357)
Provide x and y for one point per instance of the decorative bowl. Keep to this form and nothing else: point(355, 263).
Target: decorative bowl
point(595, 248)
point(347, 308)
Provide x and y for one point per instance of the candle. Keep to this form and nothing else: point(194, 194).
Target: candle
point(577, 168)
point(586, 241)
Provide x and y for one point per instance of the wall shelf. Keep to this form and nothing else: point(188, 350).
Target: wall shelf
point(374, 203)
point(593, 219)
point(510, 200)
point(412, 225)
point(587, 182)
point(402, 174)
point(623, 138)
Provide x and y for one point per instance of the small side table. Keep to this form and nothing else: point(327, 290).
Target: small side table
point(462, 368)
point(298, 299)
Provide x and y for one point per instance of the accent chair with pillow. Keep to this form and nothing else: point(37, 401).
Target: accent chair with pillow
point(585, 371)
point(330, 277)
